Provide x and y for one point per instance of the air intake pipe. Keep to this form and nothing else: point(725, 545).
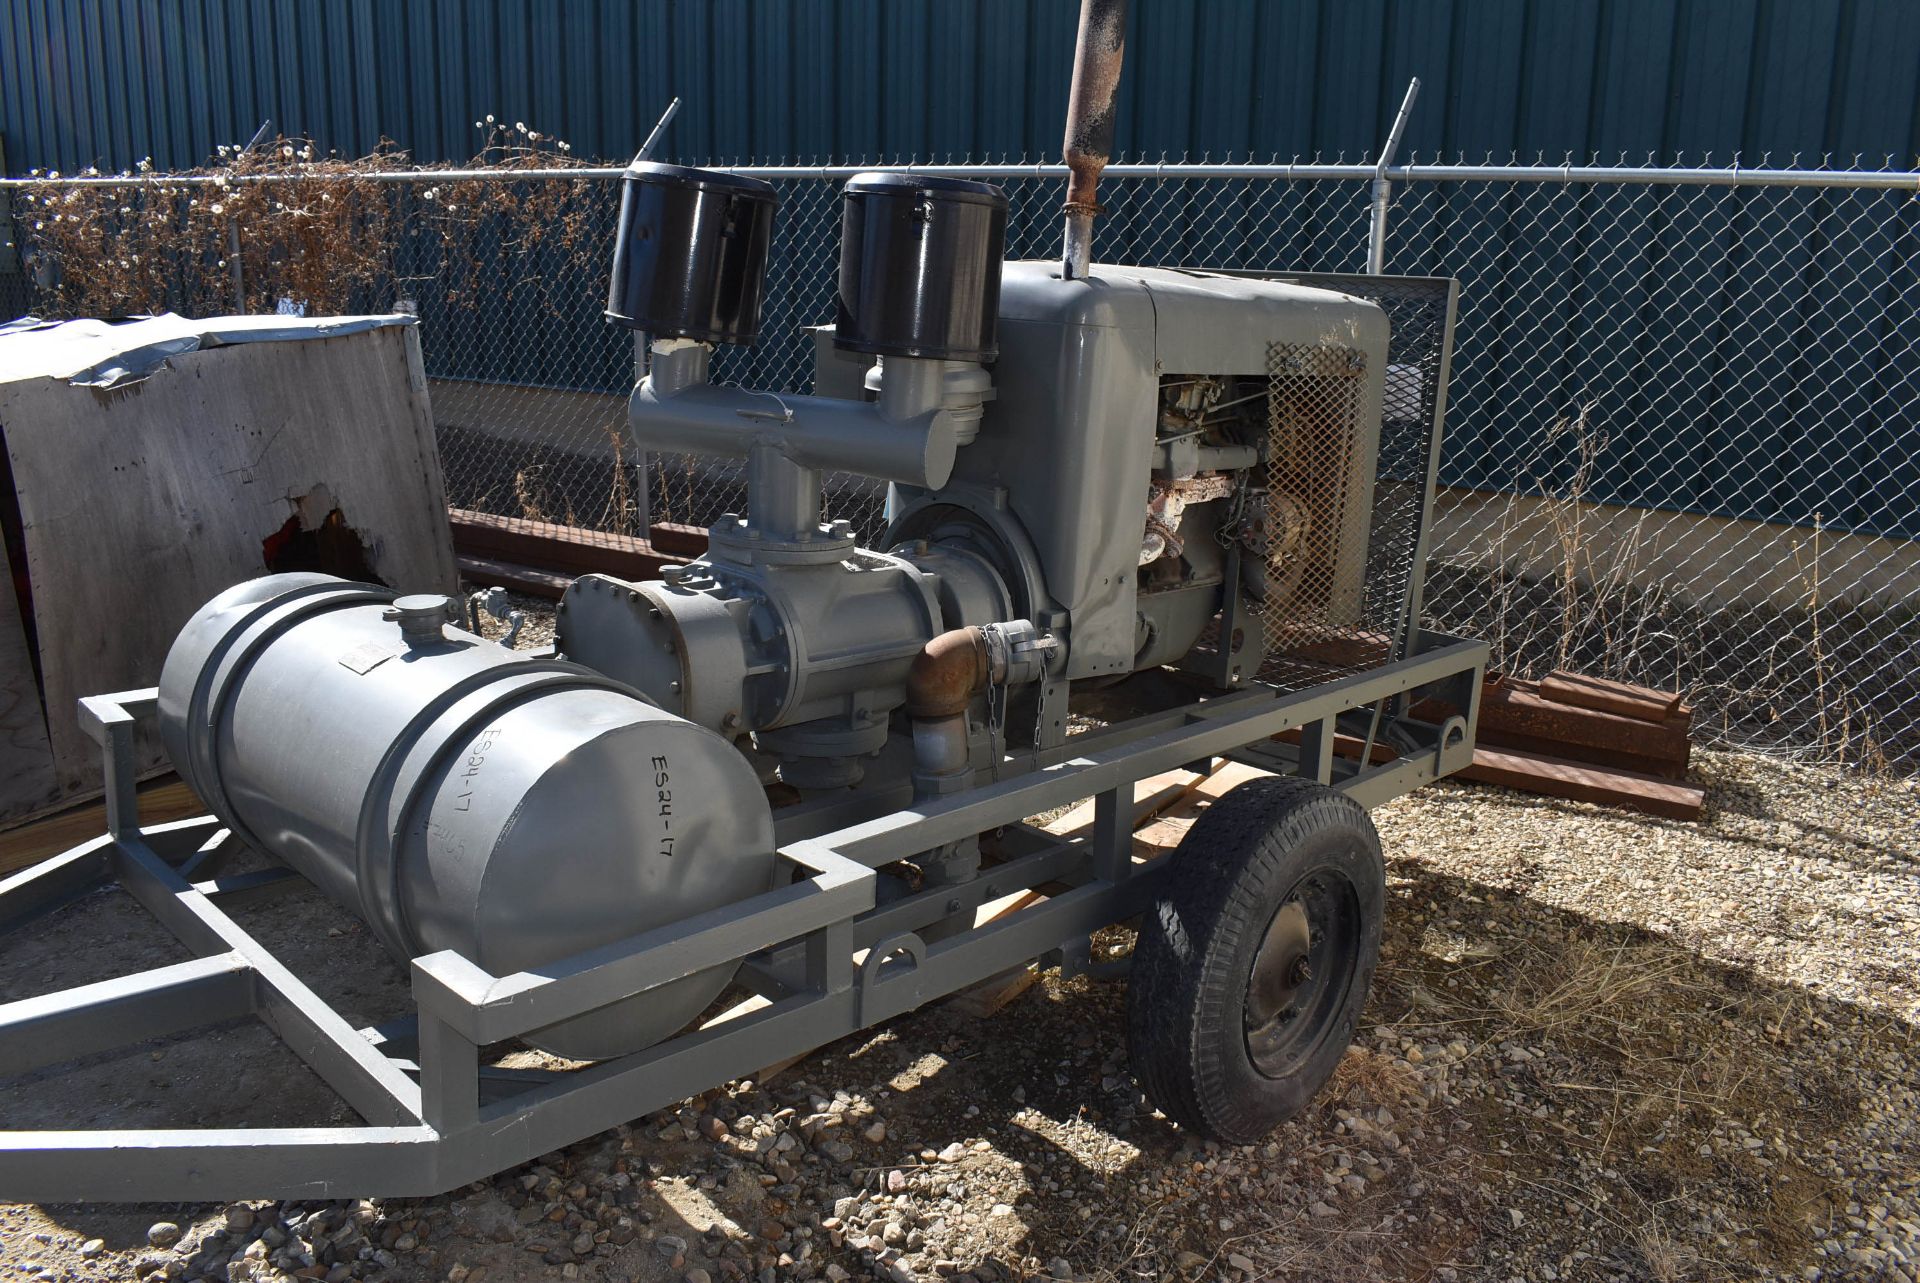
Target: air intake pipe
point(689, 268)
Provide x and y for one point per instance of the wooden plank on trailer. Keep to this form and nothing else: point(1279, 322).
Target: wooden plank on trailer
point(1164, 806)
point(1178, 792)
point(996, 991)
point(1167, 829)
point(991, 995)
point(1153, 797)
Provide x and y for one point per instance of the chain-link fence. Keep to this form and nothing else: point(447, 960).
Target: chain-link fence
point(1681, 445)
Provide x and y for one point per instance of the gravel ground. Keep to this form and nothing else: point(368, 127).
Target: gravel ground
point(1600, 1047)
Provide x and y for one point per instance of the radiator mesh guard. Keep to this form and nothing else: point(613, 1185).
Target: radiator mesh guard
point(1311, 531)
point(1338, 535)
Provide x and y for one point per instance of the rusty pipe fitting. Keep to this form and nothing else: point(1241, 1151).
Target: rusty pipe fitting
point(947, 673)
point(1098, 53)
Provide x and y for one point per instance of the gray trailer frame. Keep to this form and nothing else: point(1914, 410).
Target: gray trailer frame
point(437, 1116)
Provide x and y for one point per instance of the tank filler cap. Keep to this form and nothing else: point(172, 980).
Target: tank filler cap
point(422, 618)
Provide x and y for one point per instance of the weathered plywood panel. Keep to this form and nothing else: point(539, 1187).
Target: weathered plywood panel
point(140, 503)
point(26, 762)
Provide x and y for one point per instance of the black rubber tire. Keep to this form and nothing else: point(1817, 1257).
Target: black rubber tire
point(1187, 993)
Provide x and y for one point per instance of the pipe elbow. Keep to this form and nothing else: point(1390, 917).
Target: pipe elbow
point(947, 673)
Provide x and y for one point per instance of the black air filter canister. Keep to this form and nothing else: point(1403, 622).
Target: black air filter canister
point(920, 261)
point(691, 257)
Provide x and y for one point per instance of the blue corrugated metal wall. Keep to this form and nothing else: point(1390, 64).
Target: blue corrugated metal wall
point(111, 81)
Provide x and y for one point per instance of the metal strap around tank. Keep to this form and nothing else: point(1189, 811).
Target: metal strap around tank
point(377, 836)
point(237, 647)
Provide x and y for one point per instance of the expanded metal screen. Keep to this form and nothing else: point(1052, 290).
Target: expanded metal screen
point(1321, 448)
point(1420, 314)
point(1682, 446)
point(1344, 509)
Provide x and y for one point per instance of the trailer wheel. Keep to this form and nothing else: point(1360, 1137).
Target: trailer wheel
point(1253, 965)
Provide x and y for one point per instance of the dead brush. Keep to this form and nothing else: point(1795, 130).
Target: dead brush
point(1848, 726)
point(325, 231)
point(1367, 1077)
point(1600, 612)
point(1587, 984)
point(537, 499)
point(1657, 1253)
point(621, 515)
point(1134, 1256)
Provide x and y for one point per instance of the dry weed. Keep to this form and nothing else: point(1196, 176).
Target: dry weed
point(324, 231)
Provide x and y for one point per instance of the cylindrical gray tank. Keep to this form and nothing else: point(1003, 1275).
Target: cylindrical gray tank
point(458, 795)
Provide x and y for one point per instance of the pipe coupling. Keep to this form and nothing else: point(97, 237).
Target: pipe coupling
point(1018, 652)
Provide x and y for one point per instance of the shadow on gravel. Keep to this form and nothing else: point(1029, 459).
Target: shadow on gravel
point(1534, 1091)
point(1647, 1113)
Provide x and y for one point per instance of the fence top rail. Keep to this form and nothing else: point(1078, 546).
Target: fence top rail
point(1733, 176)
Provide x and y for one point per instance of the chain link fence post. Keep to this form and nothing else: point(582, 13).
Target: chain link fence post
point(1383, 186)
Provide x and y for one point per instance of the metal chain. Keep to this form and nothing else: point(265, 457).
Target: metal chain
point(996, 726)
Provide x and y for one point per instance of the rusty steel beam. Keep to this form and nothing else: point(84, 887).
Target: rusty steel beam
point(677, 539)
point(570, 550)
point(1623, 699)
point(1584, 782)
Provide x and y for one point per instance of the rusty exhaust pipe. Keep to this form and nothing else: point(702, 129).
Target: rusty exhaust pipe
point(1097, 55)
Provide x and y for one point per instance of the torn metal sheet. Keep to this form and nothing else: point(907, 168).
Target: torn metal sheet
point(111, 354)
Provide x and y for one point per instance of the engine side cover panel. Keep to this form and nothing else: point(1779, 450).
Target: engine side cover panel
point(1069, 438)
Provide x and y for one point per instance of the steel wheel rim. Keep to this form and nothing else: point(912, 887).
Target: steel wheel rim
point(1302, 972)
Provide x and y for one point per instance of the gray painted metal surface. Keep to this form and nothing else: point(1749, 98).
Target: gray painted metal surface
point(1383, 186)
point(786, 629)
point(1093, 352)
point(458, 795)
point(569, 864)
